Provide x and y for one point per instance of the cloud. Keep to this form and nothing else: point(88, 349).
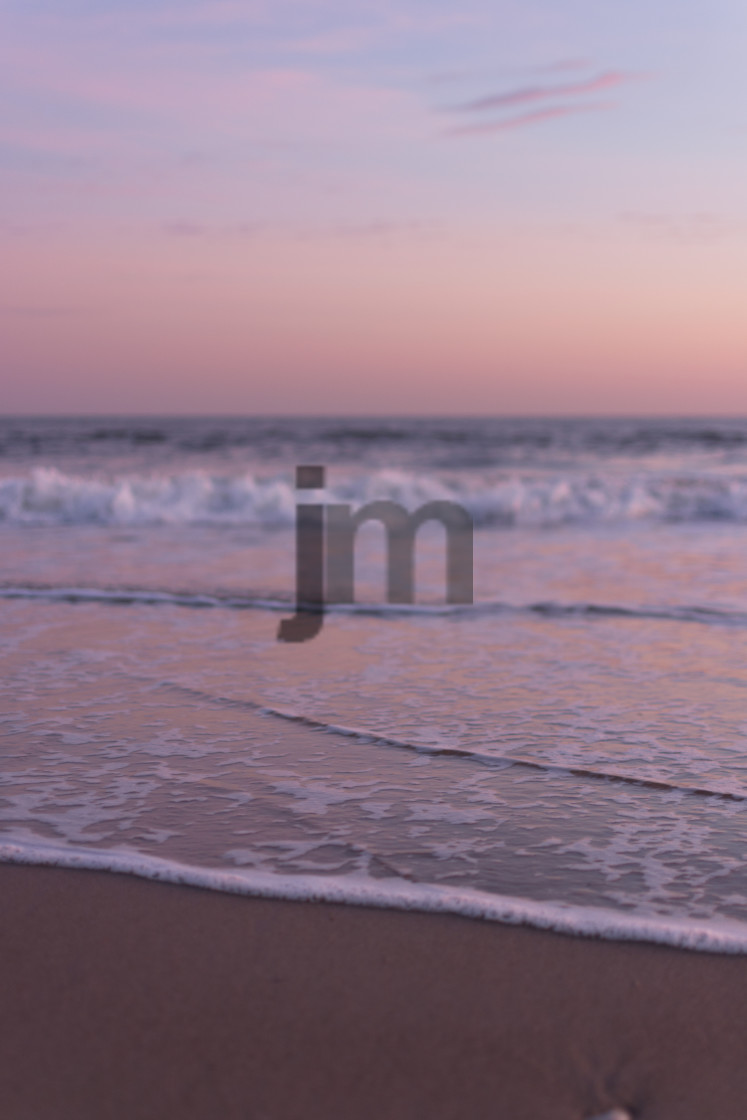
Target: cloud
point(685, 229)
point(535, 117)
point(31, 229)
point(529, 94)
point(186, 229)
point(564, 64)
point(545, 97)
point(384, 228)
point(33, 310)
point(303, 231)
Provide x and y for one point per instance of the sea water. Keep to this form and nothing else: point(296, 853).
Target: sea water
point(570, 751)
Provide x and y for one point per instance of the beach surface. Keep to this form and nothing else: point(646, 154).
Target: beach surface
point(128, 999)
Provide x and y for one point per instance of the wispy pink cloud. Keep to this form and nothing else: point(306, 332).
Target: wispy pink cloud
point(303, 231)
point(698, 228)
point(203, 229)
point(564, 64)
point(34, 310)
point(534, 117)
point(528, 94)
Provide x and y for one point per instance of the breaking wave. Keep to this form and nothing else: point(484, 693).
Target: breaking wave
point(49, 496)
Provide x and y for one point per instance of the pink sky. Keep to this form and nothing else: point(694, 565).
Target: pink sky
point(316, 208)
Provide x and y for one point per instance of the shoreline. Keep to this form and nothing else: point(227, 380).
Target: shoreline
point(130, 999)
point(720, 936)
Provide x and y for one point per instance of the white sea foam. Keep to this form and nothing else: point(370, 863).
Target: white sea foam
point(50, 496)
point(722, 936)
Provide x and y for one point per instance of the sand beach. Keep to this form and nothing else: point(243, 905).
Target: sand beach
point(128, 999)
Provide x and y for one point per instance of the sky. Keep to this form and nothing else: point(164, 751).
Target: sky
point(349, 207)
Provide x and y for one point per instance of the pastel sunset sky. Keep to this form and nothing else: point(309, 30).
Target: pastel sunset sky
point(341, 206)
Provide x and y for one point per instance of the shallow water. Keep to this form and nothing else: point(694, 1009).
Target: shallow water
point(567, 751)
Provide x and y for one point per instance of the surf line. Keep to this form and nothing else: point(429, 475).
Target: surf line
point(497, 762)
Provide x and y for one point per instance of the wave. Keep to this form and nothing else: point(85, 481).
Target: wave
point(127, 596)
point(225, 600)
point(49, 496)
point(487, 758)
point(485, 440)
point(719, 936)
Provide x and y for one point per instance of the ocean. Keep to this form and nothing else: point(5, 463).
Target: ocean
point(569, 751)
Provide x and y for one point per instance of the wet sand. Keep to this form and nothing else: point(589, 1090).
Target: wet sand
point(124, 999)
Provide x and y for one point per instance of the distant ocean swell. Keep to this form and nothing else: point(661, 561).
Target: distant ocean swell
point(49, 496)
